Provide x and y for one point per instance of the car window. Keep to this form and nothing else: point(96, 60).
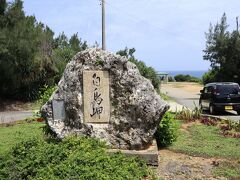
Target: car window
point(205, 90)
point(228, 89)
point(210, 89)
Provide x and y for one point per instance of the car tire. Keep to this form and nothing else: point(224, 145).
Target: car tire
point(212, 109)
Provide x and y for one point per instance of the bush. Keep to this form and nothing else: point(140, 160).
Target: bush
point(167, 130)
point(186, 78)
point(46, 93)
point(72, 158)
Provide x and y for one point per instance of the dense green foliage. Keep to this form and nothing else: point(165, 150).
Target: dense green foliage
point(46, 93)
point(210, 76)
point(10, 135)
point(167, 130)
point(147, 72)
point(223, 52)
point(30, 57)
point(186, 78)
point(72, 158)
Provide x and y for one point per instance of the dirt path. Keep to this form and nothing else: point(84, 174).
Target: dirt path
point(180, 166)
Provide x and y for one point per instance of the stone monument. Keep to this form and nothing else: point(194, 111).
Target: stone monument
point(103, 95)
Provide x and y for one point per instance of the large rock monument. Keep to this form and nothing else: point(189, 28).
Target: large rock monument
point(103, 95)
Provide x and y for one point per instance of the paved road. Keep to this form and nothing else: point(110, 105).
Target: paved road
point(190, 99)
point(11, 116)
point(181, 96)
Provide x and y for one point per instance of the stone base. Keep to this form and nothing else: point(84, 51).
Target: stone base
point(149, 155)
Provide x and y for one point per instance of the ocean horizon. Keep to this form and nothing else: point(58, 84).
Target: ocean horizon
point(197, 74)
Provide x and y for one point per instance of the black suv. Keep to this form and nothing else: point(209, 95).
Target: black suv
point(220, 96)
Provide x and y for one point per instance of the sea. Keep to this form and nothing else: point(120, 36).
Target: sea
point(197, 74)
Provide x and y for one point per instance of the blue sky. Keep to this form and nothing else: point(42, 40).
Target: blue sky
point(167, 34)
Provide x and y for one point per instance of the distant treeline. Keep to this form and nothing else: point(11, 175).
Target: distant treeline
point(186, 78)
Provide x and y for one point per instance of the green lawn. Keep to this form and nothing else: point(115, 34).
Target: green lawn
point(206, 141)
point(11, 135)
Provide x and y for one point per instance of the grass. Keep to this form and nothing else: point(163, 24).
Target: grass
point(206, 141)
point(196, 140)
point(11, 135)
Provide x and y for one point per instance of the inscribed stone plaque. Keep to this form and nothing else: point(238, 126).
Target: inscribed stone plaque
point(58, 110)
point(96, 96)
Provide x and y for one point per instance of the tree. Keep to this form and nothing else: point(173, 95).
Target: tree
point(3, 5)
point(64, 50)
point(61, 41)
point(25, 54)
point(74, 43)
point(30, 57)
point(223, 52)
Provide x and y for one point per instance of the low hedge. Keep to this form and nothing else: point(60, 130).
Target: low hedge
point(72, 158)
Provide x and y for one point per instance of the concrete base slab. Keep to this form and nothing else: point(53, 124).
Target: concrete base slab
point(150, 155)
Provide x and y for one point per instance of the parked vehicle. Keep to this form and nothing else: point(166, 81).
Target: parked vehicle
point(220, 96)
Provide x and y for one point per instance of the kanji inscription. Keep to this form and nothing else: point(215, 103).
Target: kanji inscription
point(96, 96)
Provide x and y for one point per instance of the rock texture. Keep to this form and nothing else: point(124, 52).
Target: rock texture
point(136, 109)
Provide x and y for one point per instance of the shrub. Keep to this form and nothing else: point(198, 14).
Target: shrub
point(46, 93)
point(72, 158)
point(167, 130)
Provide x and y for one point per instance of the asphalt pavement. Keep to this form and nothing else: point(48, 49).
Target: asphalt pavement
point(12, 116)
point(190, 99)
